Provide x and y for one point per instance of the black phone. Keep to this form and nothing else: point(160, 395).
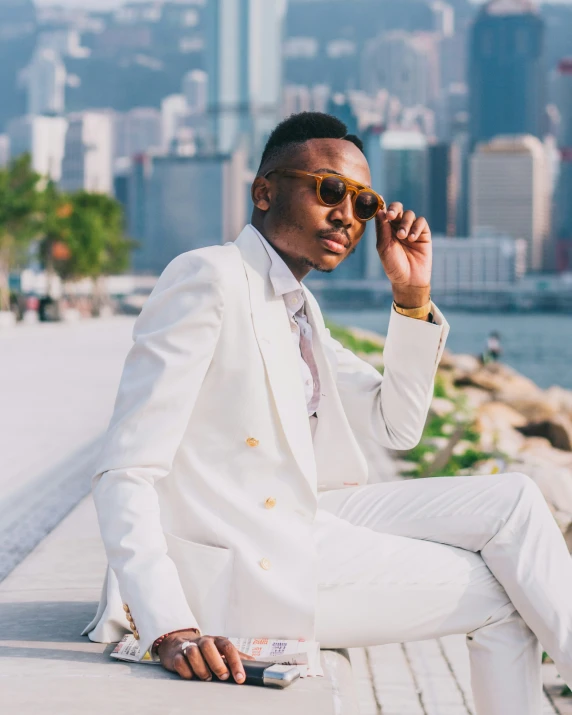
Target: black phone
point(269, 675)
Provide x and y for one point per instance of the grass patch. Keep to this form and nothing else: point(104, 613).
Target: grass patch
point(349, 341)
point(440, 389)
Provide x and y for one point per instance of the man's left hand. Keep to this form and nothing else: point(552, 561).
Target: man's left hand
point(405, 249)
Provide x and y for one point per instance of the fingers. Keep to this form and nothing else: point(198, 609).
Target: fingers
point(420, 226)
point(196, 660)
point(394, 211)
point(232, 658)
point(405, 225)
point(214, 659)
point(181, 666)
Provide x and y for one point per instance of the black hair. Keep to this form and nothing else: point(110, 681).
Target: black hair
point(300, 128)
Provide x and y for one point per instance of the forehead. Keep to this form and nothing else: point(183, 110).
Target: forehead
point(338, 155)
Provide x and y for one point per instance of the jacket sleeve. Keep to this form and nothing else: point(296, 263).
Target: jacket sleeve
point(174, 337)
point(392, 409)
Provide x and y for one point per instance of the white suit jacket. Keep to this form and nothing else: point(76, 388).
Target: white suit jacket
point(210, 422)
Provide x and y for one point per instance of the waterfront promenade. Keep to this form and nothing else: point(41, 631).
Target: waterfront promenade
point(58, 384)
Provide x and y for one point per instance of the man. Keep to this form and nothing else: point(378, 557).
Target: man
point(232, 489)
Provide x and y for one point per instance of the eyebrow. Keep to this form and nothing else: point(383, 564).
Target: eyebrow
point(325, 170)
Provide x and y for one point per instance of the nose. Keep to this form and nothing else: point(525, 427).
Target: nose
point(343, 214)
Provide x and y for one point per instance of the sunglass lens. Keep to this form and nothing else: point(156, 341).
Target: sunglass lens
point(332, 191)
point(366, 206)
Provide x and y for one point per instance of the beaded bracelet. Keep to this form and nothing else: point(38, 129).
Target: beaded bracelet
point(157, 643)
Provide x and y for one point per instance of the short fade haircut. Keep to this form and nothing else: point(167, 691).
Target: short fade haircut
point(300, 128)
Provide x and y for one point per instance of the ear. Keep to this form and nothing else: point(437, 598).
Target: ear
point(261, 193)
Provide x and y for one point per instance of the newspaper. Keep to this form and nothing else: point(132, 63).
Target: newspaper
point(305, 655)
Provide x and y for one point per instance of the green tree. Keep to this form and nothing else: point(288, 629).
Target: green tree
point(91, 226)
point(56, 210)
point(19, 218)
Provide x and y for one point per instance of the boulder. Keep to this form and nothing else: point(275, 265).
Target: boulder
point(499, 414)
point(462, 363)
point(496, 424)
point(442, 407)
point(555, 483)
point(475, 396)
point(560, 398)
point(500, 380)
point(557, 430)
point(535, 407)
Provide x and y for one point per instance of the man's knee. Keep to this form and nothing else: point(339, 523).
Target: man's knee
point(520, 486)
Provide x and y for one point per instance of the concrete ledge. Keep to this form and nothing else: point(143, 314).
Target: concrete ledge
point(47, 667)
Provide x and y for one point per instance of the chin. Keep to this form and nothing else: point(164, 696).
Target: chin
point(322, 264)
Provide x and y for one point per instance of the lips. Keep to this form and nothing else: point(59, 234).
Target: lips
point(335, 242)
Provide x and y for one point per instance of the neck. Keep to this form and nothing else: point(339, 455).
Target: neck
point(298, 266)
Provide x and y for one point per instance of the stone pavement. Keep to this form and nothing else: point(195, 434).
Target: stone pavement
point(58, 383)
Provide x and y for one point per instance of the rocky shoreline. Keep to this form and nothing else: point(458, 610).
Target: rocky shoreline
point(487, 419)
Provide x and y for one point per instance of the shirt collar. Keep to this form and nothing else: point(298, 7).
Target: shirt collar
point(282, 279)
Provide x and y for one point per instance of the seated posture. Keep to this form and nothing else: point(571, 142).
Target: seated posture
point(232, 489)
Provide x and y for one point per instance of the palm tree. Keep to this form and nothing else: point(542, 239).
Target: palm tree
point(87, 239)
point(19, 219)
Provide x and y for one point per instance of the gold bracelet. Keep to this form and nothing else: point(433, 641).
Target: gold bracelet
point(422, 312)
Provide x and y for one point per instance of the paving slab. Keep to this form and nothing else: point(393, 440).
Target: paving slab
point(47, 667)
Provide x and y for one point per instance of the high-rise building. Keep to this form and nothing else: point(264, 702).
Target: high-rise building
point(476, 264)
point(195, 91)
point(509, 192)
point(136, 132)
point(398, 161)
point(563, 197)
point(43, 138)
point(506, 75)
point(443, 187)
point(244, 68)
point(173, 114)
point(88, 159)
point(179, 203)
point(46, 83)
point(405, 64)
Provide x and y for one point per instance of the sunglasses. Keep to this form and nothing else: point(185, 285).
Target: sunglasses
point(332, 189)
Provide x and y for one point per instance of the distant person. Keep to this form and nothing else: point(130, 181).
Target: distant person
point(232, 487)
point(493, 350)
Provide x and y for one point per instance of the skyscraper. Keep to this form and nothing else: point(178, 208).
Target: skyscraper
point(43, 138)
point(46, 83)
point(509, 192)
point(179, 203)
point(563, 197)
point(88, 157)
point(506, 71)
point(243, 64)
point(405, 64)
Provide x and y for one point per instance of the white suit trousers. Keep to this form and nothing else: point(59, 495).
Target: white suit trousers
point(423, 558)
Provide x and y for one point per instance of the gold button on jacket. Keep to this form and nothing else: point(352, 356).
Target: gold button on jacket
point(252, 442)
point(126, 608)
point(270, 503)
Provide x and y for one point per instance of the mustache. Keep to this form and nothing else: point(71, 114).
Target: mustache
point(325, 232)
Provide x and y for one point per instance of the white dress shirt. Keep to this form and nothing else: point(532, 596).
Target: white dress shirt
point(290, 288)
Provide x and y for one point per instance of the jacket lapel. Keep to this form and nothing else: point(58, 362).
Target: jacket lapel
point(274, 337)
